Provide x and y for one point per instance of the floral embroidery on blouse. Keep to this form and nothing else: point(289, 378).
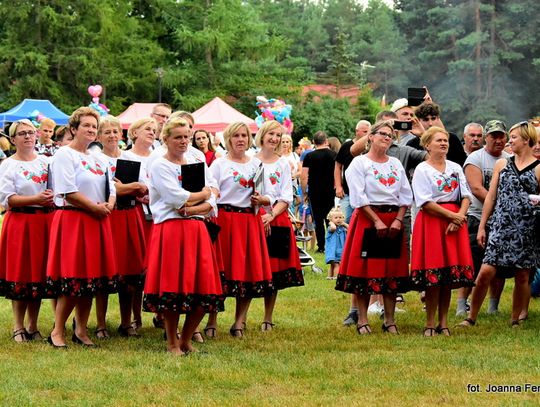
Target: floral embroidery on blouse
point(246, 182)
point(389, 179)
point(38, 178)
point(275, 177)
point(97, 170)
point(445, 184)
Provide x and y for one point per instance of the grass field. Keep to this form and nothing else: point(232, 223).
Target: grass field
point(310, 359)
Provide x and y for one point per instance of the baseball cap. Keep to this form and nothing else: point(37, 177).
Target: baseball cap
point(399, 104)
point(493, 126)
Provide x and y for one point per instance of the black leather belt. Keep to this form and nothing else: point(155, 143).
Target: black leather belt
point(384, 208)
point(237, 209)
point(32, 209)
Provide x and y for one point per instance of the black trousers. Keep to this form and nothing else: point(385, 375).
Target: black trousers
point(321, 204)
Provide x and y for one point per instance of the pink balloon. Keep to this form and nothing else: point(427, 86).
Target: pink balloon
point(95, 90)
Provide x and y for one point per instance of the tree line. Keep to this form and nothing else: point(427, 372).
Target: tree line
point(479, 58)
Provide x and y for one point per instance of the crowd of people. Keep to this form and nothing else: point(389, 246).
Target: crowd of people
point(397, 208)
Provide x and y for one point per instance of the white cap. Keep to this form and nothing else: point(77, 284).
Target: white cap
point(399, 104)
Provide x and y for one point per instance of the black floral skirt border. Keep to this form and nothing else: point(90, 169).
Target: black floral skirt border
point(133, 280)
point(372, 286)
point(287, 278)
point(183, 303)
point(81, 287)
point(243, 289)
point(23, 291)
point(453, 276)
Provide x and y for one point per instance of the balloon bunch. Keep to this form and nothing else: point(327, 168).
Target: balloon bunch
point(36, 117)
point(274, 109)
point(95, 92)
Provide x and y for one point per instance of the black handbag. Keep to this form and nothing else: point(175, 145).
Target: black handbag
point(279, 242)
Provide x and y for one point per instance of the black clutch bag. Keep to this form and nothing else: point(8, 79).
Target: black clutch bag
point(375, 247)
point(193, 177)
point(127, 171)
point(279, 242)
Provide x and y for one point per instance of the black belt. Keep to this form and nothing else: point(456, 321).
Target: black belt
point(450, 202)
point(70, 208)
point(32, 209)
point(237, 209)
point(384, 208)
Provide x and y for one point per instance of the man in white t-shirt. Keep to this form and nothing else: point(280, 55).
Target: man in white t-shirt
point(478, 170)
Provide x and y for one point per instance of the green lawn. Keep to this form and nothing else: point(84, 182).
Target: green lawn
point(310, 359)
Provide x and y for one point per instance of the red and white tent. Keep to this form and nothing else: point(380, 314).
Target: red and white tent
point(216, 115)
point(135, 112)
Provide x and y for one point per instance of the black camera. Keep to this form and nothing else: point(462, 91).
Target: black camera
point(398, 125)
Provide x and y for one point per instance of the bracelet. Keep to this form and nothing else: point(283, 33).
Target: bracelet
point(399, 220)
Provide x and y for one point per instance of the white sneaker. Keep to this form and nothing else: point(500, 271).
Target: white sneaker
point(375, 308)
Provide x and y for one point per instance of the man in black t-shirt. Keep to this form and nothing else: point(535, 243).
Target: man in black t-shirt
point(318, 177)
point(343, 160)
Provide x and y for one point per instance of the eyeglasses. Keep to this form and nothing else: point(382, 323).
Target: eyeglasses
point(26, 133)
point(381, 133)
point(163, 116)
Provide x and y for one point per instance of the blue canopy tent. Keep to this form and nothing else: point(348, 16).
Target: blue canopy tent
point(24, 109)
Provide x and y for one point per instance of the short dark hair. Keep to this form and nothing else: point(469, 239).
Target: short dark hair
point(385, 115)
point(428, 109)
point(319, 138)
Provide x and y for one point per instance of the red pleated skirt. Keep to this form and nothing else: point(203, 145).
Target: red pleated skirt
point(182, 269)
point(246, 264)
point(368, 275)
point(147, 226)
point(129, 245)
point(439, 258)
point(24, 247)
point(81, 255)
point(286, 272)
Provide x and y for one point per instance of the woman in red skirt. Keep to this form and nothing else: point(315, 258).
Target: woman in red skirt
point(128, 234)
point(441, 253)
point(182, 276)
point(275, 199)
point(380, 193)
point(81, 252)
point(242, 241)
point(25, 231)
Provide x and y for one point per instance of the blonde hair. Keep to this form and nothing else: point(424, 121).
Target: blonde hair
point(286, 136)
point(108, 120)
point(427, 136)
point(137, 124)
point(173, 124)
point(527, 132)
point(232, 129)
point(265, 129)
point(47, 122)
point(15, 125)
point(334, 212)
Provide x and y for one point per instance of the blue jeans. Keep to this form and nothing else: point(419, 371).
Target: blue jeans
point(346, 207)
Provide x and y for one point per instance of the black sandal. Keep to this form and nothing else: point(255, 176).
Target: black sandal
point(515, 324)
point(365, 327)
point(102, 333)
point(386, 328)
point(431, 331)
point(210, 332)
point(20, 335)
point(34, 336)
point(127, 332)
point(236, 332)
point(267, 326)
point(441, 331)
